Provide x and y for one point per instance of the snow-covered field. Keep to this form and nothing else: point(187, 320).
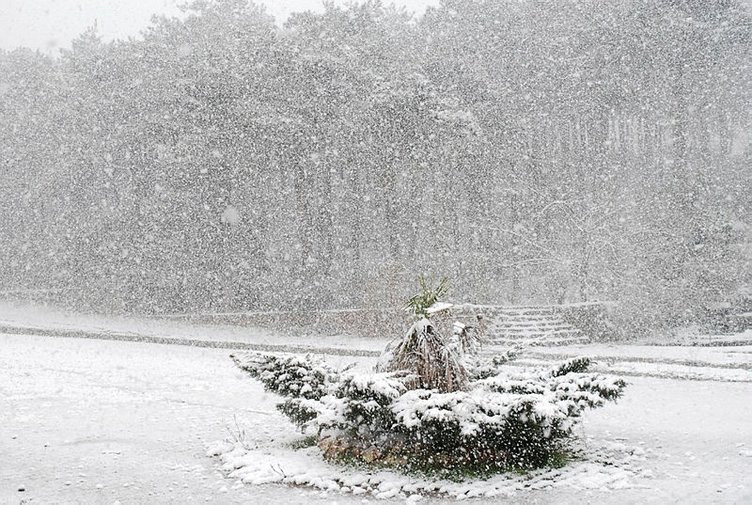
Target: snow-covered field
point(36, 318)
point(91, 421)
point(727, 363)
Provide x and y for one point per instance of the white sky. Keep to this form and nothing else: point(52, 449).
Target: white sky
point(48, 25)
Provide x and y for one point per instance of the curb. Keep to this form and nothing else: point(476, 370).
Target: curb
point(156, 339)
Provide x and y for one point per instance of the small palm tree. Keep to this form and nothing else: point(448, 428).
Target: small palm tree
point(428, 297)
point(424, 352)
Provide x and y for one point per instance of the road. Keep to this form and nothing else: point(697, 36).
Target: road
point(90, 421)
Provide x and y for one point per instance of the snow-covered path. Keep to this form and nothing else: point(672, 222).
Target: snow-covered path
point(90, 421)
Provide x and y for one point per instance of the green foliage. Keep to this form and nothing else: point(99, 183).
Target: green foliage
point(574, 365)
point(293, 376)
point(304, 442)
point(506, 421)
point(420, 302)
point(424, 410)
point(298, 410)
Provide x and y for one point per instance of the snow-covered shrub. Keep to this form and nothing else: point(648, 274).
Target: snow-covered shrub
point(573, 365)
point(300, 379)
point(293, 376)
point(521, 419)
point(433, 360)
point(425, 354)
point(433, 405)
point(482, 369)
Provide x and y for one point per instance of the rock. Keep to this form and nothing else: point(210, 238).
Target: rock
point(371, 454)
point(332, 447)
point(325, 443)
point(396, 460)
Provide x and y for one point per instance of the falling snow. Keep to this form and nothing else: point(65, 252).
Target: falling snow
point(579, 170)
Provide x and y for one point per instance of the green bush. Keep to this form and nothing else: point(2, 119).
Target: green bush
point(433, 405)
point(508, 420)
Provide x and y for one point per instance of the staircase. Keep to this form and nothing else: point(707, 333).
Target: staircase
point(537, 326)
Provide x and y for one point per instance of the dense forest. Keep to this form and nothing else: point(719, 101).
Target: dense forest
point(541, 151)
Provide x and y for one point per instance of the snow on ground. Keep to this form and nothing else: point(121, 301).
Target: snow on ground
point(89, 421)
point(714, 363)
point(733, 364)
point(724, 355)
point(610, 466)
point(671, 370)
point(30, 317)
point(628, 367)
point(695, 337)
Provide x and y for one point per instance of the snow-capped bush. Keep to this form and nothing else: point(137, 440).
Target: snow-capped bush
point(433, 405)
point(432, 363)
point(520, 420)
point(301, 380)
point(294, 376)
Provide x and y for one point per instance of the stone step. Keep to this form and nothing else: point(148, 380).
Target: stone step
point(526, 320)
point(535, 336)
point(516, 326)
point(509, 322)
point(528, 335)
point(552, 324)
point(546, 341)
point(525, 310)
point(523, 316)
point(523, 329)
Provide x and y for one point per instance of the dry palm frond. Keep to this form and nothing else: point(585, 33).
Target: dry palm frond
point(424, 353)
point(468, 339)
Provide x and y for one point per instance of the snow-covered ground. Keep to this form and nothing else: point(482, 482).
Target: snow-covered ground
point(722, 355)
point(94, 421)
point(729, 363)
point(36, 318)
point(90, 422)
point(604, 466)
